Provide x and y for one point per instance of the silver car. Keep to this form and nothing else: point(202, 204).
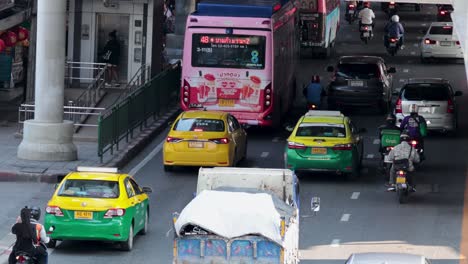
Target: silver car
point(387, 258)
point(436, 103)
point(441, 41)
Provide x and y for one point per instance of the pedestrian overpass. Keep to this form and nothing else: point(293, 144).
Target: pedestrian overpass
point(459, 18)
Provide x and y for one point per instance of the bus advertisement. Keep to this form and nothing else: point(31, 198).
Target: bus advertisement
point(319, 24)
point(239, 56)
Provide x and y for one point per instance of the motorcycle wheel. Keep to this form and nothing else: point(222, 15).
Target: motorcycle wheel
point(402, 195)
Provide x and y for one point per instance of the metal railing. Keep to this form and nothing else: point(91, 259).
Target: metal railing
point(153, 99)
point(77, 72)
point(73, 113)
point(141, 77)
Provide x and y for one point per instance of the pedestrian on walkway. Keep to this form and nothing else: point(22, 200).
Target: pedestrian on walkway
point(111, 56)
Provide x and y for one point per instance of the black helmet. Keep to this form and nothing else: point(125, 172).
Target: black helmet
point(35, 212)
point(404, 137)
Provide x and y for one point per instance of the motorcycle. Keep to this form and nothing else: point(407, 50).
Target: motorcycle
point(24, 258)
point(366, 33)
point(391, 9)
point(351, 13)
point(402, 186)
point(312, 107)
point(418, 147)
point(393, 45)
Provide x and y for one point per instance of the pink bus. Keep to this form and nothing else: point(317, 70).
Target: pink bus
point(240, 56)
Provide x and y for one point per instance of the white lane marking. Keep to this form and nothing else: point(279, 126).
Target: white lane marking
point(416, 44)
point(406, 70)
point(423, 24)
point(419, 37)
point(413, 53)
point(276, 139)
point(264, 154)
point(370, 156)
point(168, 231)
point(335, 243)
point(355, 195)
point(345, 217)
point(150, 156)
point(402, 80)
point(376, 141)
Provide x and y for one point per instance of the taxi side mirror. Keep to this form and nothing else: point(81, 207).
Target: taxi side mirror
point(147, 189)
point(56, 186)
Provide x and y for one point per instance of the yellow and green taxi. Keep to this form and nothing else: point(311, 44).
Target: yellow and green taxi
point(204, 138)
point(325, 141)
point(97, 204)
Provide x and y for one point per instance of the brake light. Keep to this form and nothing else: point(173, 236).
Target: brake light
point(450, 106)
point(393, 40)
point(267, 96)
point(114, 212)
point(220, 140)
point(458, 42)
point(389, 148)
point(414, 143)
point(442, 12)
point(173, 140)
point(185, 95)
point(276, 7)
point(54, 210)
point(351, 6)
point(401, 173)
point(392, 3)
point(398, 108)
point(343, 147)
point(294, 145)
point(20, 259)
point(430, 41)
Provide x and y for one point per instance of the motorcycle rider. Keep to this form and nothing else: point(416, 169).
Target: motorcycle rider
point(314, 92)
point(366, 16)
point(394, 29)
point(29, 234)
point(412, 125)
point(349, 3)
point(402, 151)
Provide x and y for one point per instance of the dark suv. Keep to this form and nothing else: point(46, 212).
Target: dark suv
point(360, 81)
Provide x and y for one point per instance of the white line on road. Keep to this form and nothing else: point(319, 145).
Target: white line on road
point(402, 80)
point(335, 243)
point(168, 231)
point(142, 163)
point(345, 217)
point(423, 24)
point(416, 44)
point(276, 139)
point(406, 70)
point(376, 141)
point(264, 154)
point(355, 195)
point(370, 156)
point(413, 53)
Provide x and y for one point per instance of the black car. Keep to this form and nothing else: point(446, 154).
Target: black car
point(360, 81)
point(443, 13)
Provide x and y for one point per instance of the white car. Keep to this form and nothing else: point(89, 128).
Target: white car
point(441, 41)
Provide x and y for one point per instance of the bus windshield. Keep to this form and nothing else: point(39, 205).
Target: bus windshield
point(228, 51)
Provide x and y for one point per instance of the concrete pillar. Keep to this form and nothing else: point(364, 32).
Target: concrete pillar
point(48, 136)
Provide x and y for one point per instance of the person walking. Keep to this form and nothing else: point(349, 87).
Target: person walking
point(111, 56)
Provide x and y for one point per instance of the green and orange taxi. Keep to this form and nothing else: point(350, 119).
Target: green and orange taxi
point(325, 141)
point(97, 204)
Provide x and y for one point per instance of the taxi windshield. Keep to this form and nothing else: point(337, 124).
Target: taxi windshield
point(321, 130)
point(90, 189)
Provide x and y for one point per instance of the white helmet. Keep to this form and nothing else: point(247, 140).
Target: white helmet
point(414, 108)
point(395, 18)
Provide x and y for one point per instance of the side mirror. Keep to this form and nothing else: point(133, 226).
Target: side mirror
point(147, 189)
point(315, 204)
point(170, 123)
point(458, 93)
point(391, 70)
point(289, 128)
point(330, 69)
point(56, 186)
point(362, 130)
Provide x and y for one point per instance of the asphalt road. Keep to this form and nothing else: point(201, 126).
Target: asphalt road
point(357, 215)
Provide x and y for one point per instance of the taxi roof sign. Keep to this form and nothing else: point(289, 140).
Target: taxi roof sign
point(323, 113)
point(97, 169)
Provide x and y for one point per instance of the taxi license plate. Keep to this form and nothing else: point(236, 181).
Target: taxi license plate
point(83, 215)
point(195, 144)
point(319, 151)
point(401, 180)
point(356, 83)
point(226, 102)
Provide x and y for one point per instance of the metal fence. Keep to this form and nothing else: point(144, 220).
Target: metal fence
point(151, 100)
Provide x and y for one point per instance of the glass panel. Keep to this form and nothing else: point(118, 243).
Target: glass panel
point(90, 188)
point(358, 71)
point(241, 248)
point(427, 92)
point(321, 130)
point(446, 30)
point(199, 124)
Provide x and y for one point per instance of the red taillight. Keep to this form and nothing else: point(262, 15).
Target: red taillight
point(351, 6)
point(267, 96)
point(54, 210)
point(312, 107)
point(220, 140)
point(458, 42)
point(294, 145)
point(430, 41)
point(173, 139)
point(401, 173)
point(276, 7)
point(185, 94)
point(398, 108)
point(389, 148)
point(450, 106)
point(20, 259)
point(414, 143)
point(392, 3)
point(114, 212)
point(393, 40)
point(442, 12)
point(343, 147)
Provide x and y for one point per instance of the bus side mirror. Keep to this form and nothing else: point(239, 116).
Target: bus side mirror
point(330, 69)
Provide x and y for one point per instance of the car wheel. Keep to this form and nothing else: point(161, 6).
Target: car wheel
point(168, 168)
point(128, 245)
point(144, 231)
point(52, 243)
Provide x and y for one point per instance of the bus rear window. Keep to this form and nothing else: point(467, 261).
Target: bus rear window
point(199, 125)
point(228, 51)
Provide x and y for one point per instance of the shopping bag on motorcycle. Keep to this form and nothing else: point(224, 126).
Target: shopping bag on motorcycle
point(389, 137)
